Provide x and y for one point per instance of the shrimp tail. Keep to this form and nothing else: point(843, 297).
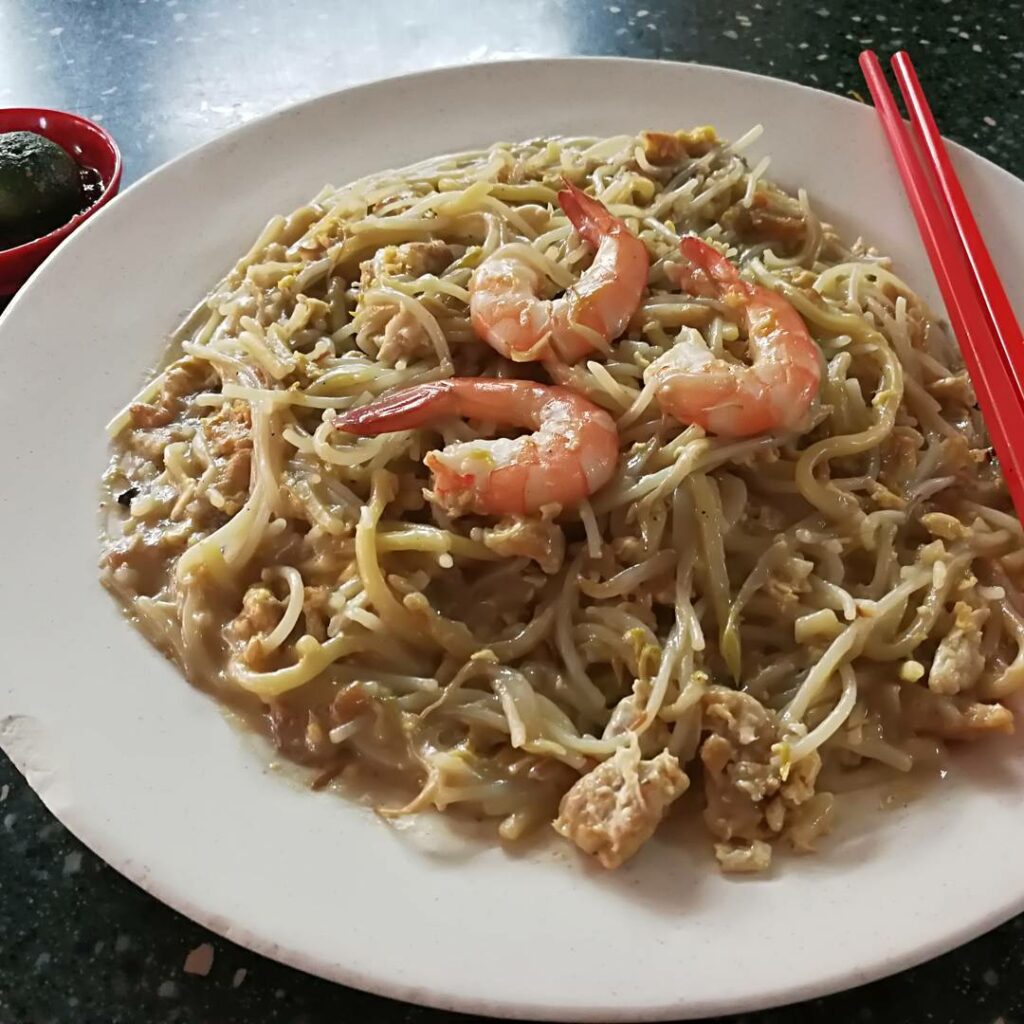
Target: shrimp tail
point(587, 215)
point(707, 271)
point(406, 409)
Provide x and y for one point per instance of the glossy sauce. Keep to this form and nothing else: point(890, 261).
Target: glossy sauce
point(92, 187)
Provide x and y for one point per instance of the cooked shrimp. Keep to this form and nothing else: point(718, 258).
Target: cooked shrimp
point(510, 316)
point(572, 451)
point(696, 386)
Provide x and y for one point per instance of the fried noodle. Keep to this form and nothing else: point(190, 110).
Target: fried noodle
point(777, 615)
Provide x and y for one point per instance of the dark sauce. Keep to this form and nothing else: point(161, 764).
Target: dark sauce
point(92, 187)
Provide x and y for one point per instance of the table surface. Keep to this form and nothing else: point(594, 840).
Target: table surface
point(78, 942)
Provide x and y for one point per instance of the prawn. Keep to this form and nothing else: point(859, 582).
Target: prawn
point(572, 451)
point(508, 314)
point(694, 385)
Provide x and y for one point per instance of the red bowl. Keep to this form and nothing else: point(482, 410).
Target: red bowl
point(89, 144)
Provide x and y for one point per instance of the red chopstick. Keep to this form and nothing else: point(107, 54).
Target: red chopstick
point(995, 387)
point(1000, 313)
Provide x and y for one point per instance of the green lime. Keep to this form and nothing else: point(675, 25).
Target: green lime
point(40, 186)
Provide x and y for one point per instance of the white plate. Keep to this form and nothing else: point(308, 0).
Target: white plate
point(147, 772)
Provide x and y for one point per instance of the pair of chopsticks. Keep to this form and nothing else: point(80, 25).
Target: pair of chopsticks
point(979, 311)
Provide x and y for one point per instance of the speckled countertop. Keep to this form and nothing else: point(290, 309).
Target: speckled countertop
point(78, 943)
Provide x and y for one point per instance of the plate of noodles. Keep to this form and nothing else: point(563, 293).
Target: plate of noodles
point(598, 594)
